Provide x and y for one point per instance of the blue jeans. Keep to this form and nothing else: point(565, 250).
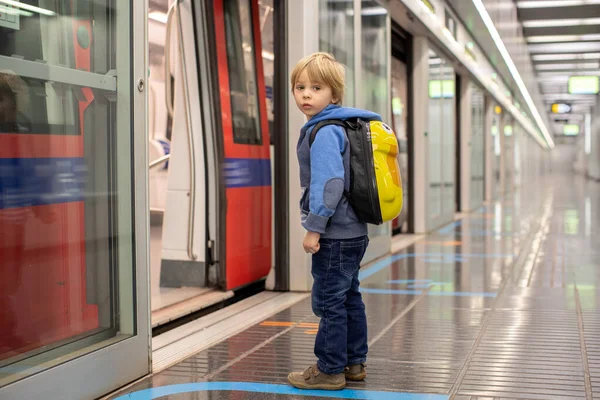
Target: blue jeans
point(342, 336)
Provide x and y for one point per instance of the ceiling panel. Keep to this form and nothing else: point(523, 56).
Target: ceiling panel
point(574, 29)
point(582, 11)
point(563, 39)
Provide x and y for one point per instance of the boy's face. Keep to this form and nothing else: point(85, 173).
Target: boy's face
point(312, 97)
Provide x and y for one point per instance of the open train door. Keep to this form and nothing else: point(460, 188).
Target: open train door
point(216, 230)
point(244, 133)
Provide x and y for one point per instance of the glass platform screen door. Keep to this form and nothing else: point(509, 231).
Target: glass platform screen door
point(74, 315)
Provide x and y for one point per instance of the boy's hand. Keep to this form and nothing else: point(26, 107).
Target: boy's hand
point(311, 242)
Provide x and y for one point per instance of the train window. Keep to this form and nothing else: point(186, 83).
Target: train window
point(268, 49)
point(34, 106)
point(242, 72)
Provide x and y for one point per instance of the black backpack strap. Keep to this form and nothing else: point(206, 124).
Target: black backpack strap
point(323, 123)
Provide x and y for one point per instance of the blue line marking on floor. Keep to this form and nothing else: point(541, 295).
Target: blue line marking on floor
point(450, 228)
point(387, 261)
point(422, 285)
point(409, 281)
point(431, 293)
point(463, 294)
point(484, 233)
point(154, 393)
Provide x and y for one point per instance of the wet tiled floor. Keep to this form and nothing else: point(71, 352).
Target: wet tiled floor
point(502, 304)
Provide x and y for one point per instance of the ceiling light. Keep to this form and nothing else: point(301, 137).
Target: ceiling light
point(542, 23)
point(28, 7)
point(559, 48)
point(566, 57)
point(555, 3)
point(564, 74)
point(563, 38)
point(588, 133)
point(487, 20)
point(549, 67)
point(268, 55)
point(158, 16)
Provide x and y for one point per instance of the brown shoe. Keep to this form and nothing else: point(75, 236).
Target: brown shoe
point(356, 372)
point(312, 378)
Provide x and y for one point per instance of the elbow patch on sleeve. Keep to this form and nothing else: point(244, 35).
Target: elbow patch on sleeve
point(332, 192)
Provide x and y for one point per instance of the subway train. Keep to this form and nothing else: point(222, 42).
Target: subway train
point(210, 126)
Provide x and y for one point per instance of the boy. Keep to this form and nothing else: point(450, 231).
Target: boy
point(335, 237)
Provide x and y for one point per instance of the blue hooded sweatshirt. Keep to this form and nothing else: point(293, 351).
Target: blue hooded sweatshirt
point(324, 173)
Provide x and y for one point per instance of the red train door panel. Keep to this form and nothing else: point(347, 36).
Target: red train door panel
point(245, 133)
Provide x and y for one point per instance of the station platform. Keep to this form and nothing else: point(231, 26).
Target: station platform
point(501, 304)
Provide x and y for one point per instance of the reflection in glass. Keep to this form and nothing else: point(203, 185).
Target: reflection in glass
point(242, 72)
point(61, 242)
point(440, 141)
point(336, 36)
point(434, 139)
point(374, 80)
point(374, 58)
point(268, 57)
point(508, 155)
point(477, 145)
point(448, 142)
point(399, 122)
point(495, 132)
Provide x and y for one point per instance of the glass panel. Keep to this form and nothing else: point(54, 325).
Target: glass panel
point(477, 145)
point(516, 155)
point(399, 122)
point(496, 150)
point(66, 234)
point(434, 136)
point(242, 72)
point(374, 58)
point(268, 57)
point(28, 36)
point(448, 123)
point(508, 154)
point(336, 36)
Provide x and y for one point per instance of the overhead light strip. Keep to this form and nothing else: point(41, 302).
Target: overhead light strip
point(566, 57)
point(555, 3)
point(566, 66)
point(562, 38)
point(513, 70)
point(544, 23)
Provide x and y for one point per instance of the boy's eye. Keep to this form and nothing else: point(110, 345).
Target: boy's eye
point(316, 87)
point(299, 87)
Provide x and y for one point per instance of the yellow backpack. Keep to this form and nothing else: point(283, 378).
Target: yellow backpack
point(375, 183)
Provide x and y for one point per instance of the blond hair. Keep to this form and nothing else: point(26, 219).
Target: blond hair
point(322, 68)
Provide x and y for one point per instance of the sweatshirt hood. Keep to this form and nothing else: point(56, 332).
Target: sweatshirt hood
point(334, 111)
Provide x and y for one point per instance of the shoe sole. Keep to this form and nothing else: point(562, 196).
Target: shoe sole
point(323, 386)
point(357, 377)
